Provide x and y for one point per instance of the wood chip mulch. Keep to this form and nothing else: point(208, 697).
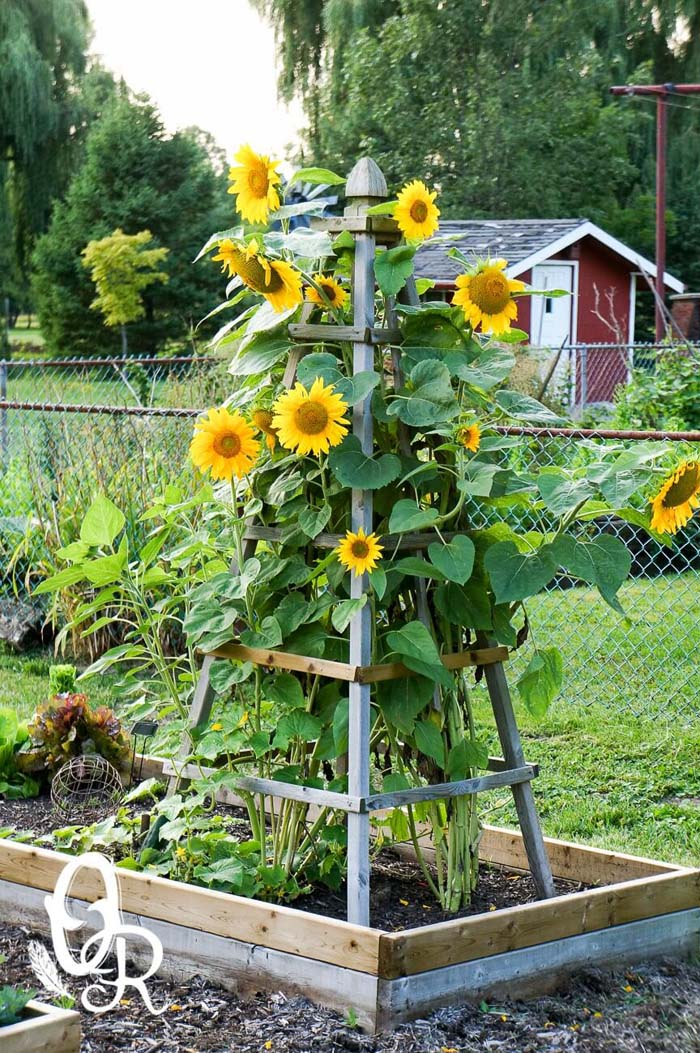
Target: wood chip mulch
point(654, 1008)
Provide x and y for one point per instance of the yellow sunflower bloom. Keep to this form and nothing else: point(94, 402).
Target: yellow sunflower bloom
point(277, 281)
point(359, 552)
point(485, 296)
point(310, 421)
point(223, 444)
point(336, 295)
point(253, 181)
point(262, 419)
point(469, 436)
point(677, 499)
point(416, 213)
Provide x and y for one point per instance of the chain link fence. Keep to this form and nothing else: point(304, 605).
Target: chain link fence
point(68, 429)
point(582, 377)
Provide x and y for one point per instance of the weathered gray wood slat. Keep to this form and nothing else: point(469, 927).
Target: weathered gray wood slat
point(353, 333)
point(511, 745)
point(404, 542)
point(365, 183)
point(441, 791)
point(383, 227)
point(291, 791)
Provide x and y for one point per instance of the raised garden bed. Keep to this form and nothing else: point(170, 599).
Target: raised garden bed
point(45, 1028)
point(642, 909)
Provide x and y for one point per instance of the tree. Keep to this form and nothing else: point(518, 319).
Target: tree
point(134, 176)
point(43, 49)
point(122, 268)
point(504, 104)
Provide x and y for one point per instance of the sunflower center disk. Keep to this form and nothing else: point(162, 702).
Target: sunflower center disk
point(253, 274)
point(329, 292)
point(263, 419)
point(311, 418)
point(360, 549)
point(489, 291)
point(227, 445)
point(684, 488)
point(257, 181)
point(419, 211)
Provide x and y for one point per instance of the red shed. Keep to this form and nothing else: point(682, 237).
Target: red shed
point(601, 273)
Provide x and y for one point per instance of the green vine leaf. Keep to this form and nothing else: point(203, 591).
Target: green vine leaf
point(102, 522)
point(604, 562)
point(485, 370)
point(541, 682)
point(428, 399)
point(429, 741)
point(455, 559)
point(515, 575)
point(406, 515)
point(354, 468)
point(268, 635)
point(393, 268)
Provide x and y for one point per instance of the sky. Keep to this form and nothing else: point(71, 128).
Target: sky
point(204, 62)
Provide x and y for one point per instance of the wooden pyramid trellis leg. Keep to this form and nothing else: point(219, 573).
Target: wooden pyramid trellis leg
point(366, 186)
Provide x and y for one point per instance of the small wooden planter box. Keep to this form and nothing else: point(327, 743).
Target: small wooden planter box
point(642, 909)
point(46, 1028)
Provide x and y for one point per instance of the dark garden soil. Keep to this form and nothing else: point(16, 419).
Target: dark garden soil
point(401, 898)
point(654, 1008)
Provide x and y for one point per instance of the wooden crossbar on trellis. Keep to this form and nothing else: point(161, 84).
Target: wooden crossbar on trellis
point(365, 187)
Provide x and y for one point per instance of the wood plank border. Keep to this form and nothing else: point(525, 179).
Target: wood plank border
point(529, 925)
point(220, 913)
point(536, 970)
point(231, 963)
point(568, 860)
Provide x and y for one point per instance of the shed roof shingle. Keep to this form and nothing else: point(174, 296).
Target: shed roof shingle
point(513, 239)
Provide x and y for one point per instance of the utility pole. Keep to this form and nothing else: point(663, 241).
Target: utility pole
point(661, 92)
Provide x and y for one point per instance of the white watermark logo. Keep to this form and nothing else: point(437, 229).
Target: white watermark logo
point(111, 937)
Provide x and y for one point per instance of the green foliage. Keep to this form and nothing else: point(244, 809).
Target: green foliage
point(62, 679)
point(122, 268)
point(133, 177)
point(13, 1002)
point(68, 727)
point(663, 397)
point(13, 735)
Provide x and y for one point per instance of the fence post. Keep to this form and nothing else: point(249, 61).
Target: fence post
point(4, 445)
point(583, 367)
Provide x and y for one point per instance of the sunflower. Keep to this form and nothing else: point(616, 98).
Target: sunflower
point(676, 500)
point(310, 421)
point(415, 212)
point(276, 280)
point(359, 552)
point(262, 419)
point(333, 291)
point(485, 296)
point(223, 443)
point(253, 182)
point(469, 436)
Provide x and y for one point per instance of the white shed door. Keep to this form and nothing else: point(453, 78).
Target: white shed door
point(551, 324)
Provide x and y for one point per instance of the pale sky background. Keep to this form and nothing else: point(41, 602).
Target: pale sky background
point(204, 62)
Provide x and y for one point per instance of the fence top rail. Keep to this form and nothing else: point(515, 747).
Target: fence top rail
point(500, 429)
point(121, 363)
point(597, 433)
point(113, 411)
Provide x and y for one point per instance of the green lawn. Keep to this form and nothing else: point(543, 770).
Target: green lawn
point(24, 682)
point(21, 335)
point(606, 778)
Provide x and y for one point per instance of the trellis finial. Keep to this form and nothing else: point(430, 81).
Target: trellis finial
point(365, 186)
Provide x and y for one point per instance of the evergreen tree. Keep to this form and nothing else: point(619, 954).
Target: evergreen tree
point(134, 175)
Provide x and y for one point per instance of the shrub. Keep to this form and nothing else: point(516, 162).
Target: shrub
point(667, 398)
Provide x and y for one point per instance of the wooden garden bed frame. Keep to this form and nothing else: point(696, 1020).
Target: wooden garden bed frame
point(642, 909)
point(44, 1027)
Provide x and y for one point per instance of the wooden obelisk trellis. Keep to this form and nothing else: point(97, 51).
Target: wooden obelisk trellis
point(365, 187)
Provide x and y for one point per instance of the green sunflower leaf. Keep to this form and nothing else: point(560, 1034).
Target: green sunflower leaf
point(515, 575)
point(541, 682)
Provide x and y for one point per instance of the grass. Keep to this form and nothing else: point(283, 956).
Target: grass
point(24, 682)
point(20, 334)
point(606, 777)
